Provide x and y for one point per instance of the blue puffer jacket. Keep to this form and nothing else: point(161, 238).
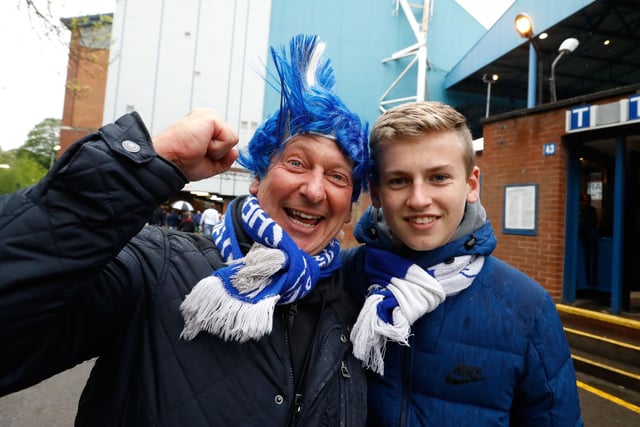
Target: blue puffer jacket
point(493, 355)
point(81, 277)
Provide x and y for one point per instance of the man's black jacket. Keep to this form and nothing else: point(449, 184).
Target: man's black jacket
point(81, 276)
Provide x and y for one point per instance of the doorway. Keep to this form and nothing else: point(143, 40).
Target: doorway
point(603, 222)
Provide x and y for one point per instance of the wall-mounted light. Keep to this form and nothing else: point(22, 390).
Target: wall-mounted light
point(567, 46)
point(54, 150)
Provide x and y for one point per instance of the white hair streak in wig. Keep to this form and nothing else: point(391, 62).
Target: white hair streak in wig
point(312, 69)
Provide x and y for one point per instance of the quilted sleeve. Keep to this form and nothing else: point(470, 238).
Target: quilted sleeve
point(547, 394)
point(57, 236)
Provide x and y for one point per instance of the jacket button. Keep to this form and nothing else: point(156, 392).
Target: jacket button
point(343, 338)
point(279, 399)
point(130, 146)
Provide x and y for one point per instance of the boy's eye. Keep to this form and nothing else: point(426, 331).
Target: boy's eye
point(439, 177)
point(396, 182)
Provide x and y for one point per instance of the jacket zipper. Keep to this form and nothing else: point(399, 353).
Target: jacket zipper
point(407, 358)
point(344, 394)
point(296, 405)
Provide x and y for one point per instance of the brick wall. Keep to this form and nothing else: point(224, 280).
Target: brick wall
point(347, 240)
point(513, 154)
point(85, 88)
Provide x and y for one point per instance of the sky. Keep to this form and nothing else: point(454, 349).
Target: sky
point(33, 70)
point(34, 64)
point(486, 12)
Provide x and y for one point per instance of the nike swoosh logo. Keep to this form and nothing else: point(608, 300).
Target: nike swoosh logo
point(464, 374)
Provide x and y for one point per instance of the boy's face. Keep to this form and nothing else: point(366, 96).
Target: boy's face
point(307, 191)
point(423, 188)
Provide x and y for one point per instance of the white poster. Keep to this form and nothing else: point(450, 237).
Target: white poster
point(520, 207)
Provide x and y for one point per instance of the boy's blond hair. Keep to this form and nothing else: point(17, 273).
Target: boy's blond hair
point(416, 119)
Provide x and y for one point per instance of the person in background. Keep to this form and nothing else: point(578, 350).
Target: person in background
point(248, 328)
point(158, 217)
point(451, 335)
point(173, 219)
point(209, 218)
point(187, 224)
point(588, 234)
point(196, 222)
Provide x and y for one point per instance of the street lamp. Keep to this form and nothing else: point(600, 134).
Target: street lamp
point(524, 27)
point(489, 80)
point(567, 46)
point(54, 150)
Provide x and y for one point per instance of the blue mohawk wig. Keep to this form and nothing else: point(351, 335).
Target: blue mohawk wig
point(308, 106)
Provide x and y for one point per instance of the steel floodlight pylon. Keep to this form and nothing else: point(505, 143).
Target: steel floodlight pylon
point(417, 50)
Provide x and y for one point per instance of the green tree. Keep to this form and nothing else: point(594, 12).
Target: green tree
point(23, 171)
point(41, 141)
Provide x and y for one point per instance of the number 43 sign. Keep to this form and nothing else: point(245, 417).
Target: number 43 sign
point(549, 149)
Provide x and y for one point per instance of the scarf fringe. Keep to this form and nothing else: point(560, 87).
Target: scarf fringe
point(208, 307)
point(370, 334)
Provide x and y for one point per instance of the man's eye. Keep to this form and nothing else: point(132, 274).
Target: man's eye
point(295, 163)
point(339, 179)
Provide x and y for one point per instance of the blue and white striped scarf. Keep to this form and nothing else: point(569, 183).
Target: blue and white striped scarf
point(400, 292)
point(237, 302)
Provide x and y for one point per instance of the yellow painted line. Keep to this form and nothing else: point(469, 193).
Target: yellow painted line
point(603, 339)
point(603, 317)
point(607, 367)
point(609, 397)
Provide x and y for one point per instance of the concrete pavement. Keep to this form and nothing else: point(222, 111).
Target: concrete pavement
point(53, 403)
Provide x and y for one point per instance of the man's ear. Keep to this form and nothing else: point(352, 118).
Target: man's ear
point(254, 186)
point(349, 214)
point(374, 192)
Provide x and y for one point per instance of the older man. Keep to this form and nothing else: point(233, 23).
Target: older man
point(248, 329)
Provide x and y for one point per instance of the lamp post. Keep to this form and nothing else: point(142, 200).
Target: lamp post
point(524, 27)
point(567, 46)
point(54, 150)
point(489, 80)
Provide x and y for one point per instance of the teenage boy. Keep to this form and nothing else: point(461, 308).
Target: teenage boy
point(453, 335)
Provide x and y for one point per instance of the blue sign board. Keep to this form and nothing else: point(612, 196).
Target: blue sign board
point(580, 117)
point(634, 102)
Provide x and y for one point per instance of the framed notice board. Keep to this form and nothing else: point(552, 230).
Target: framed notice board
point(520, 214)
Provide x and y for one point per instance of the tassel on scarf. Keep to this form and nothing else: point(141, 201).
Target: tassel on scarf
point(211, 309)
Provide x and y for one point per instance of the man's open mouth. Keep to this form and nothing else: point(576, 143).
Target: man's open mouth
point(302, 218)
